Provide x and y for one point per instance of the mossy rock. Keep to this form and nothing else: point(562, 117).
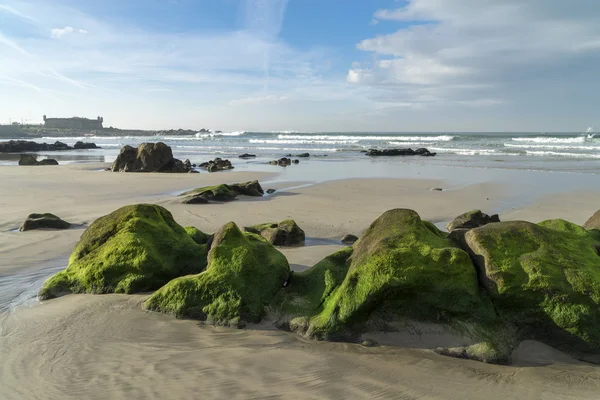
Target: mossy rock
point(471, 219)
point(43, 221)
point(244, 273)
point(197, 235)
point(402, 268)
point(285, 233)
point(544, 278)
point(134, 249)
point(220, 192)
point(593, 222)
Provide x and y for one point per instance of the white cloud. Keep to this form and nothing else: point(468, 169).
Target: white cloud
point(474, 52)
point(60, 32)
point(82, 31)
point(10, 10)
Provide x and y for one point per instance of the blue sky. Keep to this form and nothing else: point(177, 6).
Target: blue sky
point(307, 65)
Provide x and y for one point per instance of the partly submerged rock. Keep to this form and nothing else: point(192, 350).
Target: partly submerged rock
point(246, 156)
point(43, 221)
point(402, 268)
point(22, 146)
point(85, 146)
point(136, 248)
point(349, 239)
point(543, 278)
point(244, 273)
point(217, 164)
point(472, 219)
point(400, 152)
point(271, 191)
point(28, 159)
point(285, 233)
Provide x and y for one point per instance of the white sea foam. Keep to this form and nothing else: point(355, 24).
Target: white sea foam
point(212, 134)
point(580, 139)
point(299, 141)
point(551, 146)
point(465, 152)
point(561, 154)
point(442, 138)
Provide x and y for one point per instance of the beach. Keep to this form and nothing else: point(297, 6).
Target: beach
point(107, 346)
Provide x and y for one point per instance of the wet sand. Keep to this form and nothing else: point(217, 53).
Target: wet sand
point(98, 347)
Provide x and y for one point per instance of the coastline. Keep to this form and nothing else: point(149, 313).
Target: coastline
point(147, 355)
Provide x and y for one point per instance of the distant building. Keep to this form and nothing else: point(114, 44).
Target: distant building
point(73, 123)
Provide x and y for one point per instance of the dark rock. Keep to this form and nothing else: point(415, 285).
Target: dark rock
point(216, 165)
point(220, 192)
point(28, 159)
point(472, 219)
point(251, 188)
point(285, 233)
point(296, 161)
point(458, 237)
point(400, 152)
point(22, 146)
point(195, 198)
point(284, 162)
point(246, 156)
point(271, 191)
point(187, 164)
point(437, 189)
point(43, 221)
point(303, 155)
point(149, 157)
point(85, 146)
point(349, 239)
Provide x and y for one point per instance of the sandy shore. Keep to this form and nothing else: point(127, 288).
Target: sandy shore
point(98, 347)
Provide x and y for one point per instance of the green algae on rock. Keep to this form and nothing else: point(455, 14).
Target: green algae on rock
point(197, 235)
point(285, 233)
point(136, 248)
point(402, 268)
point(220, 192)
point(43, 221)
point(244, 273)
point(544, 278)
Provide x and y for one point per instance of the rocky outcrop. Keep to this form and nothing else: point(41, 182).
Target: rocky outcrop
point(400, 152)
point(302, 155)
point(472, 219)
point(28, 159)
point(23, 146)
point(252, 189)
point(284, 162)
point(43, 221)
point(137, 248)
point(85, 146)
point(285, 233)
point(149, 157)
point(243, 276)
point(216, 165)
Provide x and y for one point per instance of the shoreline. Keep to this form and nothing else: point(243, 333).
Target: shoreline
point(112, 337)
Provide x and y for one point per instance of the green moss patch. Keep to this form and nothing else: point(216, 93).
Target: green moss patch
point(285, 233)
point(134, 249)
point(244, 273)
point(544, 278)
point(401, 268)
point(197, 235)
point(220, 192)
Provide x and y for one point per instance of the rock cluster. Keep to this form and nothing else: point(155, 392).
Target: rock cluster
point(284, 162)
point(505, 282)
point(400, 152)
point(149, 157)
point(23, 146)
point(28, 159)
point(217, 164)
point(222, 193)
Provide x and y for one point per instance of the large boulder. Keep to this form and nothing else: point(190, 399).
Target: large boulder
point(593, 222)
point(471, 219)
point(149, 157)
point(285, 233)
point(401, 269)
point(28, 159)
point(244, 273)
point(136, 248)
point(43, 221)
point(544, 278)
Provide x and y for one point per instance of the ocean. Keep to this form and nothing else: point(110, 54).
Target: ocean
point(573, 152)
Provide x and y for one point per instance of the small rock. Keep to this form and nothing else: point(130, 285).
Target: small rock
point(246, 156)
point(472, 219)
point(437, 189)
point(195, 199)
point(43, 221)
point(349, 239)
point(28, 159)
point(303, 155)
point(271, 191)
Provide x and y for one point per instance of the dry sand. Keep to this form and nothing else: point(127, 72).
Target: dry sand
point(99, 347)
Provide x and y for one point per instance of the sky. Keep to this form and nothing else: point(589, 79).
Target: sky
point(304, 65)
